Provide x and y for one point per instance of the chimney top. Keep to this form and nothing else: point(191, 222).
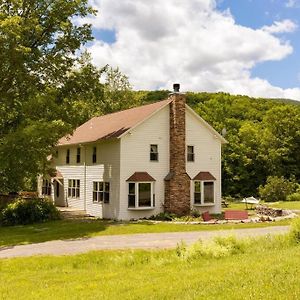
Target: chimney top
point(176, 87)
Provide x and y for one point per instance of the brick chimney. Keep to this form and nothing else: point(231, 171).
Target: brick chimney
point(177, 182)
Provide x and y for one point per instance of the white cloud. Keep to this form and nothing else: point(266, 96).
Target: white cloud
point(191, 42)
point(281, 27)
point(292, 3)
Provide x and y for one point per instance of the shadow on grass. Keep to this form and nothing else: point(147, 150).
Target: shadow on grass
point(48, 231)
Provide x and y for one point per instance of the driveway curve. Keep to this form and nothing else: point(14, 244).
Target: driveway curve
point(130, 241)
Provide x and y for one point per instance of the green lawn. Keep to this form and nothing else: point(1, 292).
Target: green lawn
point(68, 229)
point(279, 204)
point(285, 204)
point(269, 269)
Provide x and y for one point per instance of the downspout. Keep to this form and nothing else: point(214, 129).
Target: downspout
point(84, 179)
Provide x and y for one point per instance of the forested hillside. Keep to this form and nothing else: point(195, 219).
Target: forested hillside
point(49, 86)
point(263, 136)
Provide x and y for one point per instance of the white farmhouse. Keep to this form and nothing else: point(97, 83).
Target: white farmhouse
point(139, 162)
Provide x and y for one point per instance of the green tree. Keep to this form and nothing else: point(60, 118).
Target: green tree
point(38, 43)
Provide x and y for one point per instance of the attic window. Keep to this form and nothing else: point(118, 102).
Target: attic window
point(153, 152)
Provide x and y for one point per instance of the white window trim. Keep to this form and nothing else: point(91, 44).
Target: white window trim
point(76, 187)
point(190, 161)
point(103, 192)
point(157, 160)
point(137, 195)
point(202, 193)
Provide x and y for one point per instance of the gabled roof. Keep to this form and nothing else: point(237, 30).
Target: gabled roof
point(112, 125)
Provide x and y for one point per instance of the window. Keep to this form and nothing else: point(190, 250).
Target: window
point(101, 191)
point(154, 152)
point(140, 194)
point(94, 156)
point(46, 187)
point(74, 188)
point(78, 155)
point(57, 189)
point(197, 192)
point(131, 195)
point(208, 190)
point(204, 192)
point(190, 153)
point(68, 156)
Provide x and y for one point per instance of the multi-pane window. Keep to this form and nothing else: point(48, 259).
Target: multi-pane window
point(94, 156)
point(46, 187)
point(208, 191)
point(78, 155)
point(197, 192)
point(190, 153)
point(204, 192)
point(74, 188)
point(131, 194)
point(101, 191)
point(140, 194)
point(68, 156)
point(154, 152)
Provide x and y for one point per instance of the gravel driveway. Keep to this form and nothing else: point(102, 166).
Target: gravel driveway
point(130, 241)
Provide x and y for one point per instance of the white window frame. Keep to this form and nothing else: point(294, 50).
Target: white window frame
point(103, 192)
point(75, 187)
point(157, 153)
point(46, 187)
point(137, 207)
point(187, 154)
point(202, 193)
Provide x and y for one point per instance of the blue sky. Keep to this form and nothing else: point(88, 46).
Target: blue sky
point(257, 13)
point(238, 46)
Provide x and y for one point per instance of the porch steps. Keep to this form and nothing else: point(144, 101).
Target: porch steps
point(71, 213)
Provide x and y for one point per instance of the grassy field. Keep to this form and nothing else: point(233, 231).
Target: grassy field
point(279, 204)
point(69, 229)
point(285, 204)
point(266, 269)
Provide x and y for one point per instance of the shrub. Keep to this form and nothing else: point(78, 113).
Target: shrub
point(30, 211)
point(277, 188)
point(219, 247)
point(195, 213)
point(163, 216)
point(295, 231)
point(293, 197)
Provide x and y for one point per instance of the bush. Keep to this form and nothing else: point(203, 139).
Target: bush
point(30, 211)
point(295, 230)
point(219, 247)
point(277, 189)
point(293, 197)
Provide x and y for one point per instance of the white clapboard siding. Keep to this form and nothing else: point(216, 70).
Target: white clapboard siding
point(207, 149)
point(135, 157)
point(106, 169)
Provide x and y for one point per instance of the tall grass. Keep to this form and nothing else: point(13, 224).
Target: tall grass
point(225, 268)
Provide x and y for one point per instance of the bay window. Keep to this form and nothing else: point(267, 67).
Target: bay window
point(140, 195)
point(204, 192)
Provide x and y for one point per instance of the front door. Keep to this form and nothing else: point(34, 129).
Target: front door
point(59, 193)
